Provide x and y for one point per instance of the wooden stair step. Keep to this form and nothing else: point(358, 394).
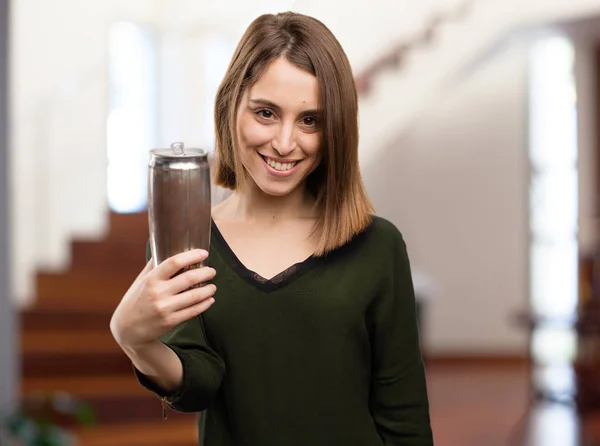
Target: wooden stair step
point(118, 409)
point(167, 433)
point(37, 365)
point(109, 255)
point(69, 342)
point(128, 226)
point(58, 341)
point(96, 286)
point(85, 387)
point(113, 400)
point(70, 304)
point(65, 319)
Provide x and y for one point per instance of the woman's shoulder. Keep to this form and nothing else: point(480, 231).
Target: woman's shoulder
point(382, 230)
point(381, 238)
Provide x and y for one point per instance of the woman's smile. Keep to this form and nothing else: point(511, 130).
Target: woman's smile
point(280, 167)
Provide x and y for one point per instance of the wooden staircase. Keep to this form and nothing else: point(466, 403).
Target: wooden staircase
point(66, 344)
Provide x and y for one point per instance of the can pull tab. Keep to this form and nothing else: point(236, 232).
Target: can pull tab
point(177, 148)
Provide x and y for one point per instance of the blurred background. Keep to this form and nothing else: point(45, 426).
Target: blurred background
point(479, 140)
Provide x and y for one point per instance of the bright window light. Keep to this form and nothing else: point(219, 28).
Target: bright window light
point(131, 123)
point(553, 206)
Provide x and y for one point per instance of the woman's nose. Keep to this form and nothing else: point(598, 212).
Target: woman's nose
point(283, 143)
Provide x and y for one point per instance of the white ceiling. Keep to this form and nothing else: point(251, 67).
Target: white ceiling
point(365, 29)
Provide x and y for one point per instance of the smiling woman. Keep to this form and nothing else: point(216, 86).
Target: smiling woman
point(304, 331)
point(310, 84)
point(278, 134)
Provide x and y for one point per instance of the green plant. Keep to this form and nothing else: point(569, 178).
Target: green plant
point(44, 420)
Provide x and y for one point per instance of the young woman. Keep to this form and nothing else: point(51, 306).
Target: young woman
point(306, 333)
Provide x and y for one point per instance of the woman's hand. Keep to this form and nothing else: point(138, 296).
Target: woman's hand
point(157, 302)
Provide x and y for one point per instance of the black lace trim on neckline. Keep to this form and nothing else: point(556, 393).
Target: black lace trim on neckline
point(253, 278)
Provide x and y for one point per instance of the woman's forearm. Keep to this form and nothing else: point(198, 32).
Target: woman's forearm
point(159, 363)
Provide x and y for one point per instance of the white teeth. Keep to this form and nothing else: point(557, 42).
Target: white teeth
point(280, 166)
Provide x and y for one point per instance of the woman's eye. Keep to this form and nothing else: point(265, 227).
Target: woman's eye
point(309, 121)
point(264, 113)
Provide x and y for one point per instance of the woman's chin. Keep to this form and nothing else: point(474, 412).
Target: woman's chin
point(277, 189)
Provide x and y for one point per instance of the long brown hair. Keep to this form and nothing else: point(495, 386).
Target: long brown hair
point(343, 206)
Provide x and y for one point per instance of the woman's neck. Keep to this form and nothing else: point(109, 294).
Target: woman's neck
point(252, 205)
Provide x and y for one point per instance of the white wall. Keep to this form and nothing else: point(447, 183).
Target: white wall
point(457, 44)
point(59, 96)
point(455, 183)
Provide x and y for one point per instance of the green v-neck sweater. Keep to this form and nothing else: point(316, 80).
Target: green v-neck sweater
point(325, 354)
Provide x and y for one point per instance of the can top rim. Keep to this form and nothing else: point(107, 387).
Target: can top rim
point(189, 153)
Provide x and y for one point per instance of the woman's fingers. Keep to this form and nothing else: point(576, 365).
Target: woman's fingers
point(190, 298)
point(149, 266)
point(176, 263)
point(190, 278)
point(192, 311)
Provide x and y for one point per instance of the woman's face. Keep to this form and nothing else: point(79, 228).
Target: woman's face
point(278, 128)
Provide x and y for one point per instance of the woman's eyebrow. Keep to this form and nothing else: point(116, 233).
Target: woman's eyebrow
point(277, 108)
point(266, 103)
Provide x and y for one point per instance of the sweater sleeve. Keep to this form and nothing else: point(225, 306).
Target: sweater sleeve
point(203, 369)
point(399, 401)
